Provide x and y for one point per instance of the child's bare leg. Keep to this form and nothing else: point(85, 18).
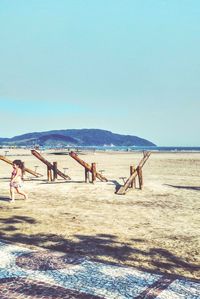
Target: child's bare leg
point(12, 193)
point(19, 191)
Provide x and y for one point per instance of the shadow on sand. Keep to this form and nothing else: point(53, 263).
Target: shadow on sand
point(103, 248)
point(195, 188)
point(116, 184)
point(4, 198)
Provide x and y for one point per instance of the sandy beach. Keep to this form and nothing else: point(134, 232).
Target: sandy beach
point(154, 229)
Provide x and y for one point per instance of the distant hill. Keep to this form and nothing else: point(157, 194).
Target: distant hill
point(82, 137)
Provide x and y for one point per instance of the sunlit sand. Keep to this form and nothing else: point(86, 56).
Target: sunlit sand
point(153, 229)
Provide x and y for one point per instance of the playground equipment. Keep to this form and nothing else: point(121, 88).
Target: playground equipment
point(34, 173)
point(134, 172)
point(88, 169)
point(50, 168)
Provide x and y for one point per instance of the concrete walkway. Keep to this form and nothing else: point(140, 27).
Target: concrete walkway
point(26, 273)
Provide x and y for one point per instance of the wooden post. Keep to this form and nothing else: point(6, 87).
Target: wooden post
point(49, 174)
point(86, 175)
point(87, 166)
point(122, 190)
point(39, 156)
point(133, 183)
point(94, 172)
point(55, 169)
point(140, 177)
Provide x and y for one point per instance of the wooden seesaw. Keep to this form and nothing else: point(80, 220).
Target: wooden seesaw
point(34, 173)
point(134, 172)
point(88, 169)
point(50, 168)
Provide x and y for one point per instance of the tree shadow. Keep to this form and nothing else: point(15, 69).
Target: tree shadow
point(18, 219)
point(102, 248)
point(21, 287)
point(195, 188)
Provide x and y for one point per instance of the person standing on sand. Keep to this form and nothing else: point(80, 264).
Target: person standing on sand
point(16, 181)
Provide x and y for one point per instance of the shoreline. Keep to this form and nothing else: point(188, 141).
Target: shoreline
point(62, 152)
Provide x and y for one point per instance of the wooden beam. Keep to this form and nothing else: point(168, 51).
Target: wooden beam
point(51, 166)
point(87, 166)
point(37, 175)
point(122, 190)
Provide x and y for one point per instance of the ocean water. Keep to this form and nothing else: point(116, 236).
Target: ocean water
point(142, 148)
point(106, 148)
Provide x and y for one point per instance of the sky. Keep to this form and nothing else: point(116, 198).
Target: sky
point(127, 66)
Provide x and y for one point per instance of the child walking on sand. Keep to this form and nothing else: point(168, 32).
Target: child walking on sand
point(16, 181)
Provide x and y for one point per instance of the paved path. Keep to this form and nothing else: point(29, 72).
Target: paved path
point(42, 274)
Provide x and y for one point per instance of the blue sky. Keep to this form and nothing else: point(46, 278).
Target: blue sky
point(128, 66)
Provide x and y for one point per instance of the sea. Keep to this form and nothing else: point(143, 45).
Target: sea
point(136, 148)
point(109, 148)
point(149, 148)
